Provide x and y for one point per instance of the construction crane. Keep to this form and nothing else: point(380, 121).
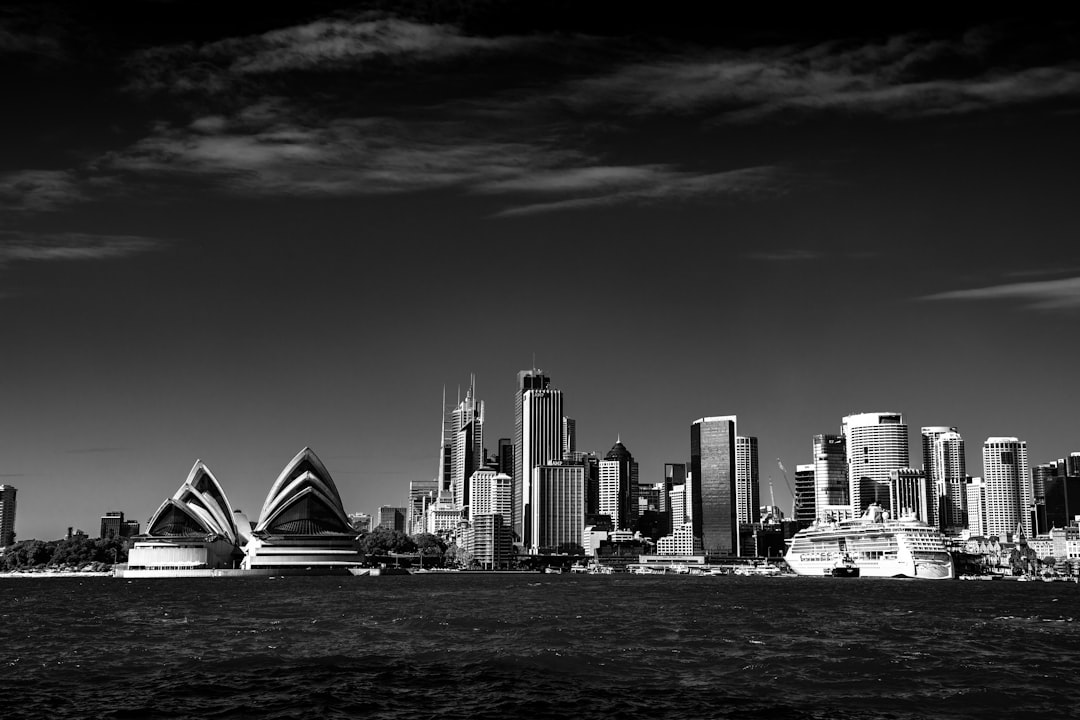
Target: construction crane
point(791, 490)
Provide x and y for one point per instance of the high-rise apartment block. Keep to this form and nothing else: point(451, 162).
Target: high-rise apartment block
point(911, 493)
point(490, 492)
point(977, 505)
point(946, 471)
point(538, 440)
point(7, 514)
point(747, 483)
point(877, 443)
point(1010, 497)
point(112, 525)
point(712, 481)
point(618, 482)
point(832, 491)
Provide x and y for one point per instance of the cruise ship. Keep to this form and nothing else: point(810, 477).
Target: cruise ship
point(877, 545)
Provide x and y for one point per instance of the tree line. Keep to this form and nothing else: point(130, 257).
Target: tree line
point(66, 553)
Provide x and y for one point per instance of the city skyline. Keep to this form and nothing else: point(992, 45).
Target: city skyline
point(224, 237)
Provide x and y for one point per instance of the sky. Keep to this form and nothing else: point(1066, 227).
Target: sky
point(227, 235)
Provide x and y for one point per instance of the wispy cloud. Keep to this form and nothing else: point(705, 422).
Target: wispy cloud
point(635, 185)
point(95, 450)
point(322, 45)
point(899, 77)
point(39, 190)
point(1062, 294)
point(36, 247)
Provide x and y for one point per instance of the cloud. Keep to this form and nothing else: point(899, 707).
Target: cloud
point(898, 77)
point(35, 247)
point(39, 190)
point(1061, 294)
point(640, 185)
point(95, 450)
point(321, 45)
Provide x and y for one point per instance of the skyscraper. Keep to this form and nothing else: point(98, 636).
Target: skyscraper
point(712, 469)
point(618, 481)
point(832, 491)
point(877, 443)
point(466, 443)
point(805, 500)
point(1010, 497)
point(977, 507)
point(538, 439)
point(747, 482)
point(558, 507)
point(7, 514)
point(946, 471)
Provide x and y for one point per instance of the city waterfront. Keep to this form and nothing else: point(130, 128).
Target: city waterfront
point(536, 645)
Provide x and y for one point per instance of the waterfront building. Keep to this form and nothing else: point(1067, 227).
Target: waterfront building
point(805, 500)
point(444, 516)
point(618, 483)
point(876, 443)
point(591, 462)
point(489, 542)
point(7, 514)
point(680, 542)
point(712, 473)
point(1009, 493)
point(910, 494)
point(832, 491)
point(558, 507)
point(946, 471)
point(538, 439)
point(747, 483)
point(975, 496)
point(302, 524)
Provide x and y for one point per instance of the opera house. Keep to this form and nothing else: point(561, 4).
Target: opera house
point(302, 529)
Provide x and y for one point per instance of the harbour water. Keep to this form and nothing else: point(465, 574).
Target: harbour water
point(537, 646)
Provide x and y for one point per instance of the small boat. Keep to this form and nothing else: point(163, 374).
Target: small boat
point(845, 567)
point(553, 570)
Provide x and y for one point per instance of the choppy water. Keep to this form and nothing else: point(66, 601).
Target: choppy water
point(489, 646)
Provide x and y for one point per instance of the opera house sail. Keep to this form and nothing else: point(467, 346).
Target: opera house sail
point(302, 524)
point(193, 530)
point(302, 529)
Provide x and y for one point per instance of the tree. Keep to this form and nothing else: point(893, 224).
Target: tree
point(382, 541)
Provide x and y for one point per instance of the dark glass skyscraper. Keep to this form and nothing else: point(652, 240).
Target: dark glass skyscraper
point(712, 469)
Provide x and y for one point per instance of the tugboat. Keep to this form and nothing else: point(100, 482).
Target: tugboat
point(845, 567)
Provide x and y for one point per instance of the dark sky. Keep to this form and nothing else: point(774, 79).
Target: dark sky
point(230, 236)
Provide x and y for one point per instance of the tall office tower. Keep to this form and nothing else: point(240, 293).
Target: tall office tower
point(832, 492)
point(747, 483)
point(422, 493)
point(876, 443)
point(677, 502)
point(712, 481)
point(1009, 495)
point(1072, 464)
point(7, 514)
point(1042, 476)
point(538, 414)
point(618, 482)
point(977, 507)
point(569, 435)
point(591, 463)
point(112, 525)
point(506, 456)
point(805, 501)
point(911, 493)
point(1060, 496)
point(558, 507)
point(946, 470)
point(490, 492)
point(467, 443)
